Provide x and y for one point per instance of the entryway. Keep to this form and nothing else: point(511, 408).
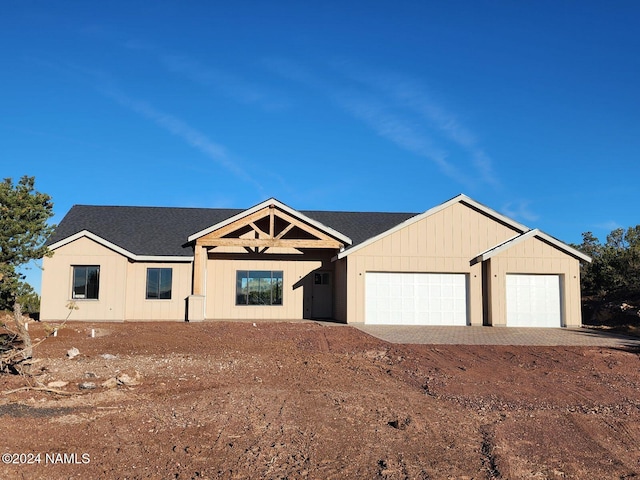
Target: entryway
point(322, 295)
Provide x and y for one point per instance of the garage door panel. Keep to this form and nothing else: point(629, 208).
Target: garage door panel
point(423, 299)
point(533, 300)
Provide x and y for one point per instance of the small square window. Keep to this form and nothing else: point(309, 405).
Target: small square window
point(86, 282)
point(159, 282)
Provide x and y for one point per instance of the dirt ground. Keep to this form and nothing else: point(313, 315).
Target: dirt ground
point(305, 400)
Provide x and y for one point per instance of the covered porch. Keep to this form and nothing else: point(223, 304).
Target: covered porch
point(268, 262)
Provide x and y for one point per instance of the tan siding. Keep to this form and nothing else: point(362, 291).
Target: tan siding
point(57, 283)
point(139, 308)
point(475, 295)
point(444, 242)
point(122, 288)
point(535, 256)
point(221, 288)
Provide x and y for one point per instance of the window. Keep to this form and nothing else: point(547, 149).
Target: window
point(86, 282)
point(159, 283)
point(322, 278)
point(258, 287)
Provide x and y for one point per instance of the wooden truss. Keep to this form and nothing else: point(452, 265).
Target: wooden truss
point(267, 228)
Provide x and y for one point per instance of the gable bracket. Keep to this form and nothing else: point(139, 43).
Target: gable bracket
point(265, 240)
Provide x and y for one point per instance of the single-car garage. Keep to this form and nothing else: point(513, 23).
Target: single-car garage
point(393, 298)
point(533, 300)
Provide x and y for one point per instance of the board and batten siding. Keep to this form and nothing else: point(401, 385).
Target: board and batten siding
point(535, 256)
point(220, 280)
point(443, 242)
point(122, 288)
point(139, 308)
point(58, 282)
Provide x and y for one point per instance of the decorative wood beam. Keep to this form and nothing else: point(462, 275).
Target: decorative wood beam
point(304, 226)
point(272, 209)
point(285, 231)
point(272, 212)
point(268, 242)
point(258, 230)
point(199, 258)
point(232, 227)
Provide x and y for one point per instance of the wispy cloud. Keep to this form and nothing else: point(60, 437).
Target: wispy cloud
point(295, 72)
point(608, 226)
point(107, 85)
point(230, 85)
point(400, 110)
point(520, 210)
point(397, 129)
point(192, 136)
point(407, 94)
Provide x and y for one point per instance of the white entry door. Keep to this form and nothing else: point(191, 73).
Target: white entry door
point(533, 301)
point(415, 298)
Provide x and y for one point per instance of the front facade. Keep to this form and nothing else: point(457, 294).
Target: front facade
point(459, 263)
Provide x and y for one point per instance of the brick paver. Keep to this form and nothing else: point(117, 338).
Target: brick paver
point(432, 335)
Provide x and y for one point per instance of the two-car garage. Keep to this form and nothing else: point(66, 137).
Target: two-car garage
point(393, 298)
point(462, 264)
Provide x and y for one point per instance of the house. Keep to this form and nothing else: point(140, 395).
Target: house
point(459, 263)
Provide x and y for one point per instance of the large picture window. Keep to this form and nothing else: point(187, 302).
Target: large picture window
point(159, 283)
point(258, 287)
point(86, 282)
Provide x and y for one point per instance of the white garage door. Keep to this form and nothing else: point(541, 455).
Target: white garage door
point(533, 301)
point(415, 298)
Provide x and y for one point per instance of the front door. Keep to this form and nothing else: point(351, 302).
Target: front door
point(322, 296)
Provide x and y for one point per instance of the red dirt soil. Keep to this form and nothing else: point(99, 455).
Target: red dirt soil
point(305, 400)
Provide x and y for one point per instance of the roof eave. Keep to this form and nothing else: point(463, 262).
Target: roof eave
point(118, 249)
point(493, 251)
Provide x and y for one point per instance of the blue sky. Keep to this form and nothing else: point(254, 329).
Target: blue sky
point(532, 108)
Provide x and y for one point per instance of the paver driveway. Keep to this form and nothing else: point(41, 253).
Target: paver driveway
point(497, 336)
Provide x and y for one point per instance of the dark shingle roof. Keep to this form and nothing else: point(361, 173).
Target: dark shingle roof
point(163, 231)
point(359, 226)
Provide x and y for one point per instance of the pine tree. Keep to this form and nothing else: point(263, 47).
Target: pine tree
point(24, 213)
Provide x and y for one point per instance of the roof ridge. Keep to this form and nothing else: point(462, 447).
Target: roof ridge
point(361, 211)
point(156, 207)
point(168, 207)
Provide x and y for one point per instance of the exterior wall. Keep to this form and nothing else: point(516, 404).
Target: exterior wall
point(220, 280)
point(122, 289)
point(535, 256)
point(340, 300)
point(57, 281)
point(139, 308)
point(444, 242)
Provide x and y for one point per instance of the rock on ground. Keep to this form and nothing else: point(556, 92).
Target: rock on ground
point(301, 400)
